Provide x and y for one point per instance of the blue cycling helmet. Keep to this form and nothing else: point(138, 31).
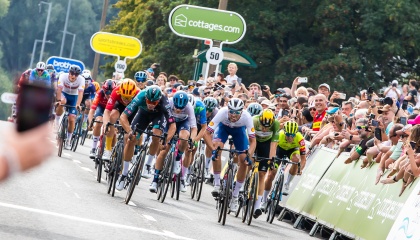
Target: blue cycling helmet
point(254, 109)
point(140, 76)
point(180, 99)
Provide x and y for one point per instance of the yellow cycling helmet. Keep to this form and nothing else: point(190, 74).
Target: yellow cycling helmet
point(97, 86)
point(128, 88)
point(267, 118)
point(291, 127)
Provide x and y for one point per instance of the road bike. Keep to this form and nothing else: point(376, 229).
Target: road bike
point(115, 165)
point(77, 129)
point(197, 171)
point(62, 130)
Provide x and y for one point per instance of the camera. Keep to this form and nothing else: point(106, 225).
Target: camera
point(369, 93)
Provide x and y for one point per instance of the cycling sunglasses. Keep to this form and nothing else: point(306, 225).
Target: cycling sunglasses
point(148, 102)
point(209, 109)
point(361, 127)
point(290, 134)
point(73, 73)
point(237, 112)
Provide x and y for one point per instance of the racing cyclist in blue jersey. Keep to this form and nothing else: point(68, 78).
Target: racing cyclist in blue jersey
point(211, 110)
point(53, 75)
point(200, 116)
point(186, 127)
point(37, 76)
point(141, 78)
point(88, 95)
point(232, 120)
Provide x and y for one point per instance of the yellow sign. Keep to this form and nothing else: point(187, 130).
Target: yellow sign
point(115, 44)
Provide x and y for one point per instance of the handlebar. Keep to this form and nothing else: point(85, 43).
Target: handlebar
point(231, 151)
point(148, 131)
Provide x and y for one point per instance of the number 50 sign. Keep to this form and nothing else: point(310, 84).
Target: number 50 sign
point(214, 55)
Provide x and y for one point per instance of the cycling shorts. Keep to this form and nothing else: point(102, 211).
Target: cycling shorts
point(144, 118)
point(240, 139)
point(86, 97)
point(263, 150)
point(120, 108)
point(182, 125)
point(71, 100)
point(99, 112)
point(281, 153)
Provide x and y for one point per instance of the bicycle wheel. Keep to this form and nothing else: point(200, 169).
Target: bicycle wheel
point(200, 176)
point(118, 163)
point(137, 175)
point(253, 198)
point(220, 202)
point(84, 134)
point(76, 135)
point(228, 195)
point(193, 178)
point(99, 163)
point(111, 168)
point(62, 135)
point(177, 185)
point(166, 177)
point(275, 198)
point(245, 198)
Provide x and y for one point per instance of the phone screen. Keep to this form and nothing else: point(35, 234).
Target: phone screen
point(378, 134)
point(413, 145)
point(375, 123)
point(34, 106)
point(284, 113)
point(403, 120)
point(404, 105)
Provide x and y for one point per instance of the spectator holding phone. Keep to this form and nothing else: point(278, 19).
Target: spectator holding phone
point(393, 91)
point(413, 92)
point(362, 126)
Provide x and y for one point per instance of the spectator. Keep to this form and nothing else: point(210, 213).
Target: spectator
point(412, 94)
point(365, 135)
point(172, 79)
point(284, 107)
point(393, 91)
point(321, 108)
point(266, 92)
point(324, 89)
point(199, 83)
point(347, 108)
point(404, 93)
point(311, 92)
point(254, 91)
point(265, 104)
point(232, 78)
point(299, 92)
point(161, 80)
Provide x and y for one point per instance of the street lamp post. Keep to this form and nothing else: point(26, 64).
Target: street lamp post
point(33, 50)
point(72, 43)
point(65, 29)
point(46, 27)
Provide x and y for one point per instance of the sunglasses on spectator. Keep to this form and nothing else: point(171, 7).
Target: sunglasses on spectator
point(148, 102)
point(290, 134)
point(206, 93)
point(361, 127)
point(74, 74)
point(237, 112)
point(312, 109)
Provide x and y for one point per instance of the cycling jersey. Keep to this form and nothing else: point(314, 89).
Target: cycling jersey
point(186, 113)
point(200, 112)
point(316, 125)
point(213, 113)
point(89, 92)
point(44, 79)
point(116, 97)
point(272, 133)
point(298, 142)
point(222, 117)
point(71, 88)
point(100, 100)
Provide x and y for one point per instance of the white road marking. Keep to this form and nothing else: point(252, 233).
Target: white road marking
point(87, 220)
point(103, 180)
point(184, 214)
point(76, 161)
point(150, 218)
point(158, 210)
point(67, 154)
point(77, 195)
point(132, 204)
point(86, 169)
point(66, 184)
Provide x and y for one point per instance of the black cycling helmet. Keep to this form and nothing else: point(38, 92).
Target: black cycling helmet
point(153, 93)
point(75, 69)
point(50, 66)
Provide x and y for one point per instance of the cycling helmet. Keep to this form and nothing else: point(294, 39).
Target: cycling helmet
point(140, 76)
point(86, 74)
point(75, 69)
point(291, 127)
point(210, 102)
point(191, 99)
point(40, 66)
point(97, 86)
point(236, 104)
point(266, 117)
point(108, 86)
point(153, 93)
point(180, 99)
point(86, 71)
point(254, 109)
point(128, 88)
point(50, 67)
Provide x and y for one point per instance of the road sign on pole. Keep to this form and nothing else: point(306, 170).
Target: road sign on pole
point(62, 64)
point(115, 44)
point(214, 55)
point(120, 66)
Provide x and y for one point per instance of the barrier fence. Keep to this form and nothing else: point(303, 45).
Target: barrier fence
point(345, 198)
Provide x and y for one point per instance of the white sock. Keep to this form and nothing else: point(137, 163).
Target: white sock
point(208, 160)
point(149, 160)
point(265, 195)
point(126, 168)
point(69, 135)
point(95, 142)
point(257, 204)
point(184, 172)
point(217, 179)
point(57, 120)
point(237, 188)
point(289, 179)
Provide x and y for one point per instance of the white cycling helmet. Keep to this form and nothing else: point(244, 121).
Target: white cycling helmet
point(236, 104)
point(191, 99)
point(254, 109)
point(40, 65)
point(210, 102)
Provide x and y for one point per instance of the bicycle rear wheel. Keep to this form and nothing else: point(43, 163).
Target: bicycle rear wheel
point(275, 198)
point(75, 137)
point(136, 178)
point(166, 177)
point(193, 178)
point(200, 177)
point(177, 185)
point(84, 134)
point(62, 135)
point(228, 194)
point(220, 202)
point(253, 198)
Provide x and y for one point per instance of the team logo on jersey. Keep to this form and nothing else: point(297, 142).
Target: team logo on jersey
point(252, 129)
point(211, 124)
point(302, 142)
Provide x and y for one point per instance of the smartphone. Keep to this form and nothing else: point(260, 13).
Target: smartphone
point(34, 104)
point(264, 87)
point(403, 120)
point(404, 105)
point(302, 79)
point(378, 134)
point(375, 123)
point(239, 81)
point(342, 96)
point(284, 113)
point(255, 95)
point(413, 145)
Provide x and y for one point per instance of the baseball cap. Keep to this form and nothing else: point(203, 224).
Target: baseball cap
point(414, 121)
point(385, 108)
point(195, 92)
point(394, 82)
point(325, 85)
point(405, 130)
point(201, 82)
point(266, 102)
point(279, 90)
point(177, 85)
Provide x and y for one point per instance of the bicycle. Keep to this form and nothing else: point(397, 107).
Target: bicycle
point(84, 135)
point(225, 192)
point(197, 171)
point(134, 174)
point(176, 178)
point(115, 165)
point(62, 130)
point(99, 163)
point(77, 129)
point(276, 192)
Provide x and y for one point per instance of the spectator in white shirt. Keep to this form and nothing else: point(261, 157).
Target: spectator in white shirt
point(393, 91)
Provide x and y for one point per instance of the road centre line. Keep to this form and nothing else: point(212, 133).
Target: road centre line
point(159, 210)
point(86, 169)
point(76, 161)
point(150, 218)
point(77, 195)
point(67, 185)
point(86, 220)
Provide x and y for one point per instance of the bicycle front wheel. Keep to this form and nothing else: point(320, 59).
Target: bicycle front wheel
point(200, 177)
point(275, 198)
point(253, 197)
point(62, 135)
point(166, 177)
point(136, 178)
point(228, 194)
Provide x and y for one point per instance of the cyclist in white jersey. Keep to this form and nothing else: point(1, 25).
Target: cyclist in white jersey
point(70, 88)
point(232, 120)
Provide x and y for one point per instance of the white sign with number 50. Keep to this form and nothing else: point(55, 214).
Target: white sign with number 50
point(214, 55)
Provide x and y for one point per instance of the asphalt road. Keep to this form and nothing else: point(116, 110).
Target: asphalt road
point(62, 200)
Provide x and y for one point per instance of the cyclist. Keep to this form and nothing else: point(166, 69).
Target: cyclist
point(97, 86)
point(254, 109)
point(150, 106)
point(211, 111)
point(200, 116)
point(267, 135)
point(185, 121)
point(53, 75)
point(232, 120)
point(70, 89)
point(37, 76)
point(88, 95)
point(120, 97)
point(291, 144)
point(97, 111)
point(140, 78)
